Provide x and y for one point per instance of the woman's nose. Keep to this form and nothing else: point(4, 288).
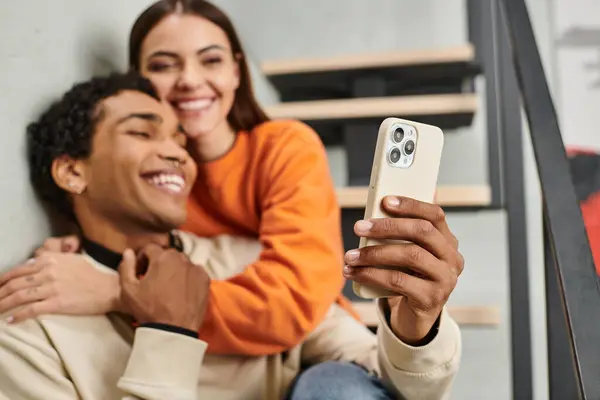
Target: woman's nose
point(191, 77)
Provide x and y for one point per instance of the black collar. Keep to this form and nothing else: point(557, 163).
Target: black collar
point(111, 258)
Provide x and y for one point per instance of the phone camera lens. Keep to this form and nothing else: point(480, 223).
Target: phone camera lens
point(395, 155)
point(398, 135)
point(409, 147)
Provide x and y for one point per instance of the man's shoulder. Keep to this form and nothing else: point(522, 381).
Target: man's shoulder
point(227, 253)
point(41, 329)
point(66, 353)
point(25, 338)
point(195, 247)
point(192, 242)
point(30, 329)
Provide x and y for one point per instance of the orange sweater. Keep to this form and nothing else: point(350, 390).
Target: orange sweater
point(274, 184)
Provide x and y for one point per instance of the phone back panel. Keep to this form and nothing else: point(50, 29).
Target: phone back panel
point(417, 181)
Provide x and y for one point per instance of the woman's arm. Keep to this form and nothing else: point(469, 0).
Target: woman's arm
point(57, 283)
point(279, 299)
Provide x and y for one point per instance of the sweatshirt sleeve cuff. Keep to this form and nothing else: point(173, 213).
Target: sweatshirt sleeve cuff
point(441, 350)
point(170, 328)
point(160, 358)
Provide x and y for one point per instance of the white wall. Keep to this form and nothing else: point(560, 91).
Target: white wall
point(44, 47)
point(578, 70)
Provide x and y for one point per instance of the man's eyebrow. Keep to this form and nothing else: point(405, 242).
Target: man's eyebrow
point(152, 117)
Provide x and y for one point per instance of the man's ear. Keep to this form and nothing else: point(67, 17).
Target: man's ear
point(69, 174)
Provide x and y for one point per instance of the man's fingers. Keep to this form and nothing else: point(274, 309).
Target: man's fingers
point(25, 296)
point(413, 288)
point(405, 207)
point(29, 268)
point(151, 251)
point(146, 255)
point(419, 231)
point(153, 254)
point(127, 268)
point(403, 255)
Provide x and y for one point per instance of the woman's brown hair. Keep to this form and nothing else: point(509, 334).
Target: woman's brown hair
point(245, 114)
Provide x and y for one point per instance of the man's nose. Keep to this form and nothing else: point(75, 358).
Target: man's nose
point(173, 152)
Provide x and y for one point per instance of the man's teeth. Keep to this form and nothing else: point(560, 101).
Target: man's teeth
point(174, 183)
point(195, 105)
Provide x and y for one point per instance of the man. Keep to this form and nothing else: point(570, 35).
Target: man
point(116, 163)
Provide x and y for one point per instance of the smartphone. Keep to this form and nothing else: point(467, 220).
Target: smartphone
point(406, 163)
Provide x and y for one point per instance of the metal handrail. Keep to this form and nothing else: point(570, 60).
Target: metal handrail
point(575, 298)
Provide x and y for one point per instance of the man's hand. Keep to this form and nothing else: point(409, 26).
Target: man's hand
point(172, 290)
point(423, 272)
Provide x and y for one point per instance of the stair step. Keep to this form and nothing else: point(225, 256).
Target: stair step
point(443, 70)
point(464, 53)
point(375, 107)
point(446, 195)
point(463, 315)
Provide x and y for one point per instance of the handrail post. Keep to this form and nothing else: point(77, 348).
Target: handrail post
point(513, 178)
point(567, 242)
point(506, 176)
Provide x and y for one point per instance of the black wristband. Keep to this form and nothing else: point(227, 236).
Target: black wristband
point(170, 328)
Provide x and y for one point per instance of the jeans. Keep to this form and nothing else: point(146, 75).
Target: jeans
point(336, 381)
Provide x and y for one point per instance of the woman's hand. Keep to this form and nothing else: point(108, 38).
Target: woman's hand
point(57, 283)
point(62, 244)
point(423, 272)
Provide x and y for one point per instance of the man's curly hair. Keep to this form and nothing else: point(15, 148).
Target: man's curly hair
point(67, 127)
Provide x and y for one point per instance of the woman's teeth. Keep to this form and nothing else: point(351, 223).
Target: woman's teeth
point(194, 105)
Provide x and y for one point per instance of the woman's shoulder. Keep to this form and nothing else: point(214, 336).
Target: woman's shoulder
point(285, 152)
point(285, 131)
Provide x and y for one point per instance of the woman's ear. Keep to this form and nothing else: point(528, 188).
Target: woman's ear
point(239, 60)
point(69, 174)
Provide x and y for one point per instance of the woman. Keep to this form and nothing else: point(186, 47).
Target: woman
point(256, 177)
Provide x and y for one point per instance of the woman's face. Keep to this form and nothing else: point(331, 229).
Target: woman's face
point(190, 61)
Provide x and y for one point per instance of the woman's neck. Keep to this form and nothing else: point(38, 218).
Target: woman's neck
point(214, 145)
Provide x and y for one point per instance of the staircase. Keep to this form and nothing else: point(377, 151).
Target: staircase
point(345, 98)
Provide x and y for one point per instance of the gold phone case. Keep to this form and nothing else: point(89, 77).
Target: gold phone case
point(413, 176)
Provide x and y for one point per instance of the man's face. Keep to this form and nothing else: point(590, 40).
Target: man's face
point(139, 175)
